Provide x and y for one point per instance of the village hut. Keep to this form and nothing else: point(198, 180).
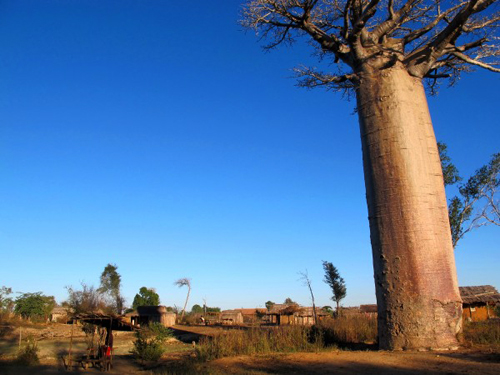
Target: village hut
point(252, 315)
point(369, 311)
point(348, 311)
point(479, 302)
point(293, 314)
point(153, 314)
point(231, 317)
point(59, 314)
point(305, 315)
point(282, 313)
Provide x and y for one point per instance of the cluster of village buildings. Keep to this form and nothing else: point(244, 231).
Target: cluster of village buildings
point(479, 303)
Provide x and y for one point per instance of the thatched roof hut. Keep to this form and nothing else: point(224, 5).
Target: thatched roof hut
point(152, 314)
point(479, 294)
point(59, 314)
point(112, 321)
point(231, 317)
point(479, 301)
point(368, 309)
point(285, 314)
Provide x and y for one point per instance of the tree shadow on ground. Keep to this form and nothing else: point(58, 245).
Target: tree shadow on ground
point(490, 356)
point(12, 367)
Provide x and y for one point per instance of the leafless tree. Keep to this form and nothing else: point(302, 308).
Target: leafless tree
point(304, 276)
point(180, 283)
point(86, 300)
point(384, 50)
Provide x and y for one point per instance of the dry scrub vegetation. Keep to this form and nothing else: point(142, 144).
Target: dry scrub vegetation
point(279, 350)
point(349, 331)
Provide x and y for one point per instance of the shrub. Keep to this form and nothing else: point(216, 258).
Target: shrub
point(486, 332)
point(149, 342)
point(28, 355)
point(190, 319)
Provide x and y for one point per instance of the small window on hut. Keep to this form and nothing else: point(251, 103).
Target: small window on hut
point(472, 309)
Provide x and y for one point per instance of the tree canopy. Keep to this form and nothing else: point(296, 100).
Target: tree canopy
point(85, 300)
point(197, 309)
point(146, 297)
point(34, 305)
point(269, 305)
point(477, 203)
point(6, 302)
point(430, 38)
point(450, 172)
point(110, 285)
point(335, 282)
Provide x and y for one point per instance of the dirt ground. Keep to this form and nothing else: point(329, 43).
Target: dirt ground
point(179, 359)
point(362, 362)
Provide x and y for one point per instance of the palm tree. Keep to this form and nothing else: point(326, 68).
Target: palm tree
point(180, 283)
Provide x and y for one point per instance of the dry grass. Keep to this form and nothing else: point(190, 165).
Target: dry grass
point(348, 330)
point(258, 341)
point(344, 331)
point(482, 333)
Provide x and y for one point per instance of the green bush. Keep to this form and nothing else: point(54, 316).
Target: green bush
point(34, 306)
point(28, 355)
point(149, 342)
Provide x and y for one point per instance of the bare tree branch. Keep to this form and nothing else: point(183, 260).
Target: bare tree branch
point(468, 60)
point(431, 39)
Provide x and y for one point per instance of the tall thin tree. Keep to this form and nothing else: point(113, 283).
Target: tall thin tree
point(111, 285)
point(386, 50)
point(180, 283)
point(336, 284)
point(304, 276)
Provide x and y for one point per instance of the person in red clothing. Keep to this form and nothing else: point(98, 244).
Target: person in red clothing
point(109, 341)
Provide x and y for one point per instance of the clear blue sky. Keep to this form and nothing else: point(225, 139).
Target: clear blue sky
point(158, 135)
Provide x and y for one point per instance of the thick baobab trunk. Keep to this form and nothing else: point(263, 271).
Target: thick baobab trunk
point(419, 306)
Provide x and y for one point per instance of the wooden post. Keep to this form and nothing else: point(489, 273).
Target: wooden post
point(20, 339)
point(71, 344)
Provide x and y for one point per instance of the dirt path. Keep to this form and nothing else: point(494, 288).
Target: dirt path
point(336, 362)
point(367, 363)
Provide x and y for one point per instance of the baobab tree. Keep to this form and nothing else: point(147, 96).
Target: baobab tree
point(385, 51)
